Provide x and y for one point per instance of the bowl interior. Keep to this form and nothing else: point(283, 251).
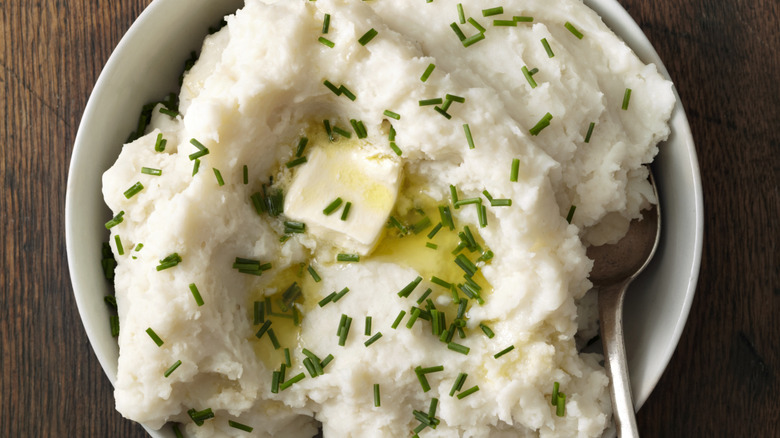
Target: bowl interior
point(143, 69)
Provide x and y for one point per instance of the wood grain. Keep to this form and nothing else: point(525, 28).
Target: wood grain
point(723, 57)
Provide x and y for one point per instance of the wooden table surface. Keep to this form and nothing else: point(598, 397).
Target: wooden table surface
point(723, 379)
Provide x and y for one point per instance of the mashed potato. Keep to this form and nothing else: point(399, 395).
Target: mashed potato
point(244, 287)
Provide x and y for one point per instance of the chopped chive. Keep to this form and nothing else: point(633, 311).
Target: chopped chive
point(301, 146)
point(342, 132)
point(469, 139)
point(398, 319)
point(339, 295)
point(434, 230)
point(310, 367)
point(350, 95)
point(336, 90)
point(440, 282)
point(333, 206)
point(274, 341)
point(458, 384)
point(573, 30)
point(326, 123)
point(461, 14)
point(443, 112)
point(119, 248)
point(541, 124)
point(110, 300)
point(458, 32)
point(413, 318)
point(377, 401)
point(200, 416)
point(392, 115)
point(590, 132)
point(326, 23)
point(493, 11)
point(292, 381)
point(367, 330)
point(202, 150)
point(314, 274)
point(533, 71)
point(424, 295)
point(570, 216)
point(218, 175)
point(367, 37)
point(159, 143)
point(177, 431)
point(431, 245)
point(500, 202)
point(151, 171)
point(373, 339)
point(169, 262)
point(429, 370)
point(326, 42)
point(504, 23)
point(467, 201)
point(434, 101)
point(327, 299)
point(454, 98)
point(528, 77)
point(345, 212)
point(395, 148)
point(326, 361)
point(239, 426)
point(454, 194)
point(423, 380)
point(246, 174)
point(292, 227)
point(482, 215)
point(477, 26)
point(296, 162)
point(626, 98)
point(547, 48)
point(554, 398)
point(432, 408)
point(515, 170)
point(168, 112)
point(154, 337)
point(195, 166)
point(341, 257)
point(462, 349)
point(172, 368)
point(132, 191)
point(287, 360)
point(116, 220)
point(421, 225)
point(427, 73)
point(113, 321)
point(464, 263)
point(485, 329)
point(359, 127)
point(473, 39)
point(259, 312)
point(446, 214)
point(468, 392)
point(196, 294)
point(504, 351)
point(407, 290)
point(264, 328)
point(522, 19)
point(345, 331)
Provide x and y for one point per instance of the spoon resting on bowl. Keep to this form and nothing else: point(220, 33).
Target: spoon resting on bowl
point(615, 267)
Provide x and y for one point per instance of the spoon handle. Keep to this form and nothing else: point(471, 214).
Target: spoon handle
point(611, 320)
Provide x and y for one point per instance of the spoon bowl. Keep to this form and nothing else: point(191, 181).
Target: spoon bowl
point(615, 267)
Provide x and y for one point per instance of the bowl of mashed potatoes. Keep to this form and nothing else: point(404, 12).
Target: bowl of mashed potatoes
point(370, 218)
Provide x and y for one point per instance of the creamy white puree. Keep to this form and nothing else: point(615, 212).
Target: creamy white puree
point(256, 89)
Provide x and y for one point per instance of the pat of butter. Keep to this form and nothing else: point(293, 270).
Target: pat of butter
point(357, 174)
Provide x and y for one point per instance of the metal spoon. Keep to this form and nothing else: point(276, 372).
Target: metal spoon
point(615, 266)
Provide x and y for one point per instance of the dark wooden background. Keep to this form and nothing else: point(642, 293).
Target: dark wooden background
point(723, 57)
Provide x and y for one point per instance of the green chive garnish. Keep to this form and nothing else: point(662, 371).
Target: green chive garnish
point(169, 113)
point(435, 230)
point(296, 162)
point(367, 330)
point(504, 23)
point(132, 191)
point(345, 331)
point(218, 175)
point(573, 30)
point(504, 351)
point(159, 144)
point(274, 341)
point(413, 318)
point(473, 39)
point(177, 431)
point(345, 212)
point(326, 361)
point(424, 295)
point(200, 416)
point(196, 294)
point(172, 368)
point(458, 384)
point(246, 174)
point(195, 166)
point(259, 312)
point(314, 274)
point(407, 290)
point(482, 215)
point(528, 77)
point(367, 37)
point(626, 98)
point(342, 132)
point(462, 349)
point(469, 139)
point(446, 215)
point(493, 11)
point(151, 171)
point(119, 248)
point(154, 337)
point(427, 72)
point(590, 132)
point(266, 325)
point(522, 19)
point(485, 329)
point(431, 245)
point(554, 398)
point(333, 206)
point(341, 257)
point(377, 401)
point(202, 150)
point(570, 216)
point(292, 227)
point(395, 148)
point(301, 146)
point(116, 220)
point(560, 408)
point(543, 123)
point(327, 299)
point(392, 114)
point(440, 282)
point(326, 42)
point(292, 381)
point(398, 319)
point(113, 321)
point(373, 339)
point(547, 48)
point(434, 101)
point(468, 392)
point(341, 293)
point(477, 26)
point(326, 23)
point(169, 261)
point(458, 32)
point(515, 170)
point(359, 127)
point(461, 14)
point(239, 426)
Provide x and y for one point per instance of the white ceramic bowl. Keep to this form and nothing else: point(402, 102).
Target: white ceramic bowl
point(145, 66)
